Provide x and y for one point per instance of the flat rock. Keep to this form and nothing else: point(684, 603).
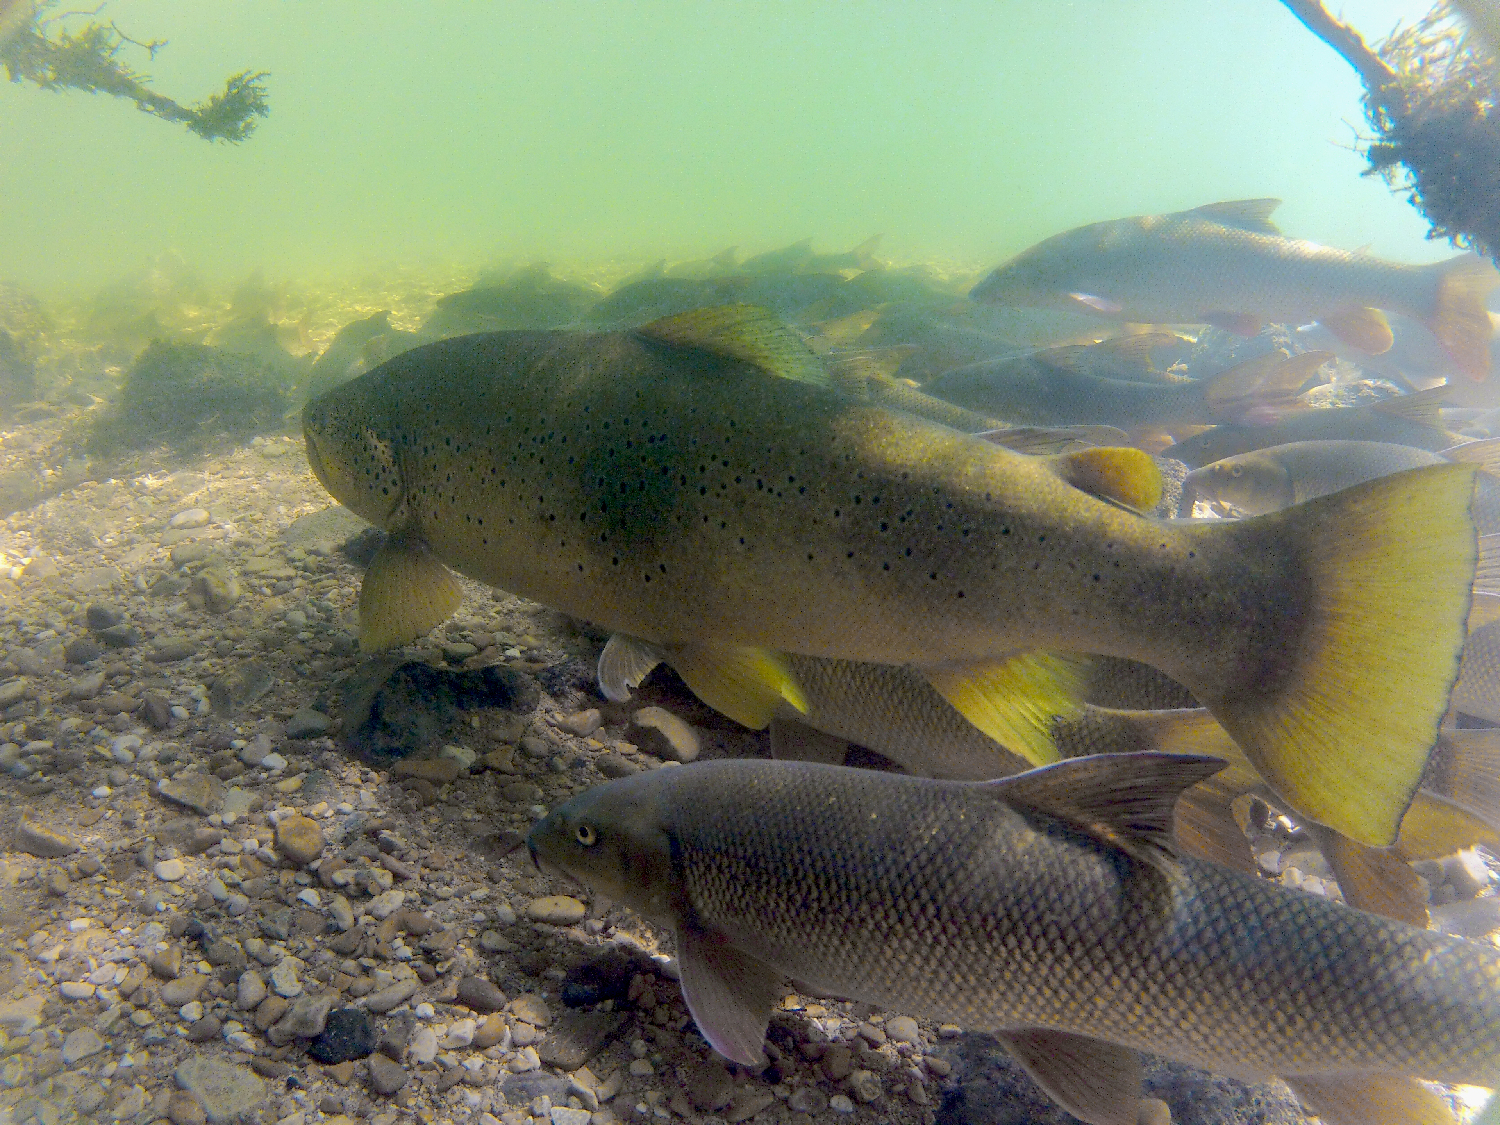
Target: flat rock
point(392, 996)
point(170, 650)
point(39, 840)
point(183, 990)
point(386, 1077)
point(305, 1019)
point(80, 1044)
point(224, 1090)
point(577, 1036)
point(559, 910)
point(657, 731)
point(240, 687)
point(481, 995)
point(201, 792)
point(299, 839)
point(307, 723)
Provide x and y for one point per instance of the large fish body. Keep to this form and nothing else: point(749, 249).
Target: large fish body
point(1227, 264)
point(674, 493)
point(993, 906)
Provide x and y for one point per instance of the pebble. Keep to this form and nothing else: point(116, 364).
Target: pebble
point(583, 723)
point(191, 1012)
point(201, 792)
point(40, 840)
point(184, 1109)
point(170, 870)
point(566, 1115)
point(76, 989)
point(840, 1103)
point(481, 995)
point(386, 1077)
point(171, 649)
point(273, 762)
point(423, 1047)
point(864, 1085)
point(641, 1068)
point(382, 906)
point(250, 990)
point(439, 771)
point(305, 1019)
point(341, 912)
point(559, 910)
point(460, 1035)
point(193, 517)
point(661, 733)
point(903, 1029)
point(531, 1008)
point(307, 723)
point(81, 1044)
point(183, 990)
point(392, 996)
point(299, 839)
point(614, 764)
point(284, 978)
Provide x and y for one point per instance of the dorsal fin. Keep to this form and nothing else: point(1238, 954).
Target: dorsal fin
point(743, 332)
point(1419, 407)
point(1246, 214)
point(1120, 474)
point(1124, 800)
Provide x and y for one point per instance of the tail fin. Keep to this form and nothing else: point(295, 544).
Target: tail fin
point(1465, 768)
point(1459, 319)
point(1344, 736)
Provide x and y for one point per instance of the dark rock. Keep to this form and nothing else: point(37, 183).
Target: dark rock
point(614, 764)
point(157, 710)
point(82, 650)
point(120, 636)
point(277, 924)
point(386, 1075)
point(481, 995)
point(173, 649)
point(396, 1035)
point(269, 1068)
point(605, 977)
point(569, 678)
point(575, 1037)
point(205, 1029)
point(100, 616)
point(348, 1034)
point(392, 709)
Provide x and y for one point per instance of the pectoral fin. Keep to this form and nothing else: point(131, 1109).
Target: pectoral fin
point(624, 663)
point(729, 993)
point(1122, 474)
point(1437, 826)
point(406, 592)
point(1360, 327)
point(1014, 701)
point(1096, 1082)
point(747, 684)
point(1370, 1099)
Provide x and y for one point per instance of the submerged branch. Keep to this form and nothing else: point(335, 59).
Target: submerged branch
point(1345, 40)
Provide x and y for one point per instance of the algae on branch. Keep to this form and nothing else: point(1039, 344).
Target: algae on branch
point(89, 60)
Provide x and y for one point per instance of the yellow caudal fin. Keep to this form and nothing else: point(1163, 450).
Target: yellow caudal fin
point(406, 592)
point(1343, 732)
point(1124, 475)
point(1015, 700)
point(1485, 454)
point(746, 684)
point(1459, 318)
point(1370, 1099)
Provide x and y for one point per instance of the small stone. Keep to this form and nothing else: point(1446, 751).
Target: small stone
point(191, 1013)
point(386, 1077)
point(566, 1115)
point(903, 1029)
point(250, 991)
point(392, 996)
point(81, 651)
point(531, 1008)
point(582, 723)
point(559, 910)
point(273, 762)
point(657, 731)
point(808, 1099)
point(170, 870)
point(840, 1103)
point(22, 1017)
point(224, 1090)
point(201, 792)
point(183, 990)
point(80, 1044)
point(746, 1103)
point(305, 1019)
point(641, 1068)
point(204, 1030)
point(439, 771)
point(171, 649)
point(284, 978)
point(100, 616)
point(86, 687)
point(39, 840)
point(157, 710)
point(166, 963)
point(120, 636)
point(382, 906)
point(183, 1109)
point(307, 723)
point(460, 1035)
point(423, 1047)
point(193, 517)
point(218, 589)
point(577, 1036)
point(838, 1062)
point(271, 1009)
point(341, 912)
point(299, 839)
point(613, 764)
point(239, 687)
point(76, 989)
point(491, 1030)
point(864, 1085)
point(481, 995)
point(348, 1033)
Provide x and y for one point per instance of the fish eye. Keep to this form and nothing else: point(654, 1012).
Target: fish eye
point(1237, 470)
point(586, 835)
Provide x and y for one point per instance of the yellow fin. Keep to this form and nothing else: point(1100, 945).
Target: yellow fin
point(1360, 327)
point(747, 684)
point(744, 332)
point(1265, 379)
point(1435, 827)
point(1246, 214)
point(1015, 700)
point(1369, 1098)
point(1379, 882)
point(1459, 319)
point(1120, 473)
point(406, 592)
point(1344, 735)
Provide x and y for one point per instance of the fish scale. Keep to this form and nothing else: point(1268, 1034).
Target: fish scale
point(945, 900)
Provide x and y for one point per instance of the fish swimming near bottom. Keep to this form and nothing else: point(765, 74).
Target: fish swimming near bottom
point(1047, 908)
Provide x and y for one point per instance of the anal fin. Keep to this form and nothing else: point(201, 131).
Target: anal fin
point(1095, 1081)
point(1370, 1099)
point(406, 592)
point(746, 684)
point(1377, 882)
point(729, 993)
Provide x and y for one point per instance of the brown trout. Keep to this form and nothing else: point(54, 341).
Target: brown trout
point(1228, 265)
point(695, 484)
point(1046, 908)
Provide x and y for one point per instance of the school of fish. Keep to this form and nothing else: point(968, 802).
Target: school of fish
point(1223, 532)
